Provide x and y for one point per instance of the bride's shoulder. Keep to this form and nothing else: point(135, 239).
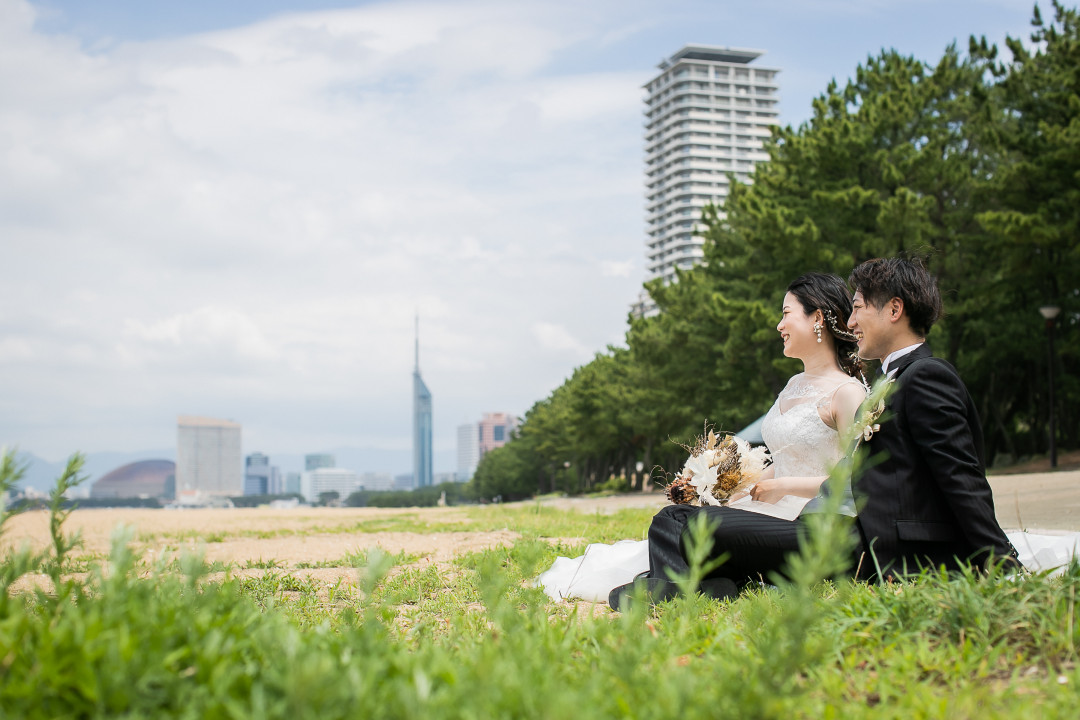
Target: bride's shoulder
point(852, 387)
point(848, 385)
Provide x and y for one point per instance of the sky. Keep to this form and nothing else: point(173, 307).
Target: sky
point(238, 209)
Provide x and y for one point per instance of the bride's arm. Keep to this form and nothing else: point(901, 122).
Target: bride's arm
point(772, 489)
point(845, 403)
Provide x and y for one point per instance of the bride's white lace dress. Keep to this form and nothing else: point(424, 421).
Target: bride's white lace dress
point(801, 445)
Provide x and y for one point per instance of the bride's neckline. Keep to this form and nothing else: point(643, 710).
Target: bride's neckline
point(811, 376)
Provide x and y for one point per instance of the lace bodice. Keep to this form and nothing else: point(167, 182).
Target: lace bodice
point(799, 440)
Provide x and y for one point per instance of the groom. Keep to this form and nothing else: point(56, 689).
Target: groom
point(925, 502)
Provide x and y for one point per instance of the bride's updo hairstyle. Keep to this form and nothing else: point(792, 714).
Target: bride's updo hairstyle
point(829, 294)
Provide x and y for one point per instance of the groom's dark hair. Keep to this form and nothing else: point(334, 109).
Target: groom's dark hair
point(882, 279)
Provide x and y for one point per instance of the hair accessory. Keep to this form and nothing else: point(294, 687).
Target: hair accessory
point(842, 334)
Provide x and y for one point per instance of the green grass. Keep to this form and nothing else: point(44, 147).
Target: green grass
point(402, 639)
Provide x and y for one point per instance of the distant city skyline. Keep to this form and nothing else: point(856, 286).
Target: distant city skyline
point(236, 209)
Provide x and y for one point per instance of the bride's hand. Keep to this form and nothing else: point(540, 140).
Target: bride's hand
point(768, 490)
point(740, 495)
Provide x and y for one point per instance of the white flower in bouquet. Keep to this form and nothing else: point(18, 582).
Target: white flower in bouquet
point(718, 467)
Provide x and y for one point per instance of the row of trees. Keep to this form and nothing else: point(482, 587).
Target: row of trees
point(972, 163)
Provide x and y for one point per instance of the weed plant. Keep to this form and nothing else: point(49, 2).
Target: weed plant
point(477, 640)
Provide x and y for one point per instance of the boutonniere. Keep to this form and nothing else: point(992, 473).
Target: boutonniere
point(867, 422)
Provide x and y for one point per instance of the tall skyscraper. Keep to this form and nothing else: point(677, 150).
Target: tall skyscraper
point(707, 114)
point(422, 444)
point(208, 459)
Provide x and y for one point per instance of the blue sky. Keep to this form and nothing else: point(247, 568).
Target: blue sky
point(235, 209)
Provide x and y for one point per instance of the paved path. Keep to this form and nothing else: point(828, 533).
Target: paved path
point(1039, 501)
point(1035, 502)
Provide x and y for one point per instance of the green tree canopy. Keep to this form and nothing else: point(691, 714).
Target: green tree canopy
point(971, 163)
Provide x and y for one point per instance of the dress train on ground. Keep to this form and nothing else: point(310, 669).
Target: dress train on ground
point(603, 568)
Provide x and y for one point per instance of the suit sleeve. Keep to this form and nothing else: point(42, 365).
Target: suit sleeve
point(937, 412)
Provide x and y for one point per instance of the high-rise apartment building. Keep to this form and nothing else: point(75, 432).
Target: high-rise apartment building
point(708, 114)
point(208, 459)
point(422, 430)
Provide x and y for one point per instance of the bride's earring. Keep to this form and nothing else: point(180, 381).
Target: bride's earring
point(817, 331)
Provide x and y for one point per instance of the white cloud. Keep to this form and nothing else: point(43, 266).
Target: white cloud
point(555, 337)
point(243, 223)
point(217, 332)
point(617, 268)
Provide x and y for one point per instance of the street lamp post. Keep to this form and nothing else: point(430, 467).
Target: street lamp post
point(1050, 313)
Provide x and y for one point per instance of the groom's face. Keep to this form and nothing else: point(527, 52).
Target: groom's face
point(871, 327)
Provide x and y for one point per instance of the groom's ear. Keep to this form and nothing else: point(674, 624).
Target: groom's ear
point(895, 309)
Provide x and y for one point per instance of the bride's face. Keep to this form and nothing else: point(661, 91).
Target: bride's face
point(796, 328)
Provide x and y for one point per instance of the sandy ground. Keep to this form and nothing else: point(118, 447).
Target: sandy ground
point(256, 535)
point(1048, 502)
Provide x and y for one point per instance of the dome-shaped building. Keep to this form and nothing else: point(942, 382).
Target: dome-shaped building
point(142, 479)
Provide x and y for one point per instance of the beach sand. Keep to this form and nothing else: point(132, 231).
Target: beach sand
point(1038, 502)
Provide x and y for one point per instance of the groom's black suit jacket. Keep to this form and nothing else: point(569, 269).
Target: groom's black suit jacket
point(923, 498)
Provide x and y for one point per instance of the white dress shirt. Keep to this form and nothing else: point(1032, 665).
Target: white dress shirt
point(896, 355)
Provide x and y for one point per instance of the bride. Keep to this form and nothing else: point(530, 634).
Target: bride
point(802, 431)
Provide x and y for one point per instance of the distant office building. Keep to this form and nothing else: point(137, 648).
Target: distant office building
point(208, 458)
point(468, 450)
point(707, 114)
point(313, 483)
point(316, 461)
point(292, 482)
point(494, 430)
point(422, 442)
point(260, 477)
point(404, 482)
point(277, 481)
point(143, 479)
point(377, 481)
point(445, 477)
point(477, 439)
